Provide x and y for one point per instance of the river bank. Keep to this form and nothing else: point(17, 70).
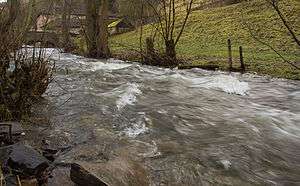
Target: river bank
point(204, 41)
point(264, 68)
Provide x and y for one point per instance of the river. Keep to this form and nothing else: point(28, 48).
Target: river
point(141, 125)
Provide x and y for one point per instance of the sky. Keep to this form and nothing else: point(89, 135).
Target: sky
point(2, 1)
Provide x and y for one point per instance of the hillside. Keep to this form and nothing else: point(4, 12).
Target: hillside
point(206, 34)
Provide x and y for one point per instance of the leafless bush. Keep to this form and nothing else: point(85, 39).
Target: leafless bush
point(24, 74)
point(167, 21)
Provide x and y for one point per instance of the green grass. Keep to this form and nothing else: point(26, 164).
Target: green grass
point(205, 38)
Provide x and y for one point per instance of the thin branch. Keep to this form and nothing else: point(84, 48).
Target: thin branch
point(188, 12)
point(274, 4)
point(272, 48)
point(173, 18)
point(160, 20)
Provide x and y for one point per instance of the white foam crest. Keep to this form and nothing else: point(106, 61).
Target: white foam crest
point(229, 84)
point(108, 65)
point(153, 150)
point(226, 83)
point(137, 128)
point(129, 95)
point(226, 164)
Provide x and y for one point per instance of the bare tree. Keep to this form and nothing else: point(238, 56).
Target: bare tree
point(65, 24)
point(132, 10)
point(166, 14)
point(102, 42)
point(92, 28)
point(96, 28)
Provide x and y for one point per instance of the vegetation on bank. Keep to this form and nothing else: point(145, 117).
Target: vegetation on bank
point(24, 74)
point(204, 41)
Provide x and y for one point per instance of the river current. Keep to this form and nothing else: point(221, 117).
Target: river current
point(140, 125)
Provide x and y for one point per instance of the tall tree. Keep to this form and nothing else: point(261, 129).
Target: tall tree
point(102, 42)
point(91, 30)
point(96, 28)
point(66, 21)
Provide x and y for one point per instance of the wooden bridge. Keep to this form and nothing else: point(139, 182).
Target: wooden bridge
point(46, 39)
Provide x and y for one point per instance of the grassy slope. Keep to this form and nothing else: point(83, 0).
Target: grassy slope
point(205, 39)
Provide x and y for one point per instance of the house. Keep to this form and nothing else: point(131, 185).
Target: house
point(51, 19)
point(119, 26)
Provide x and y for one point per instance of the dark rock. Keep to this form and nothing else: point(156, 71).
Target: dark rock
point(17, 130)
point(10, 180)
point(60, 176)
point(50, 154)
point(50, 150)
point(26, 160)
point(4, 153)
point(82, 177)
point(10, 132)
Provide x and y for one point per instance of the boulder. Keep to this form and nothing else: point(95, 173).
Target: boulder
point(60, 176)
point(10, 132)
point(25, 159)
point(16, 128)
point(82, 177)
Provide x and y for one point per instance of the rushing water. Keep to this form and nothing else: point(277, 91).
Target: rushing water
point(140, 125)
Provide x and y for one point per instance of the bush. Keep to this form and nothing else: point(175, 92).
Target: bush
point(22, 86)
point(24, 76)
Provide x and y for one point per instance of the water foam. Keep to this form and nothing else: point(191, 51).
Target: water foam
point(229, 84)
point(129, 96)
point(153, 150)
point(138, 127)
point(108, 66)
point(226, 83)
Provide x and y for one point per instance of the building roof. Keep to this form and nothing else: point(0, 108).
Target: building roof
point(115, 23)
point(123, 22)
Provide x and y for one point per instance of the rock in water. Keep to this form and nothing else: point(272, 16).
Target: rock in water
point(82, 177)
point(60, 176)
point(25, 159)
point(10, 132)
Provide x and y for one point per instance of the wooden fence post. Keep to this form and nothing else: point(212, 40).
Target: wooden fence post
point(242, 59)
point(229, 55)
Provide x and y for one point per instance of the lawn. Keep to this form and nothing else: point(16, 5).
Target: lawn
point(205, 38)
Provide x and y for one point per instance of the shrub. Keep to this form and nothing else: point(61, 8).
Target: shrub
point(21, 86)
point(24, 74)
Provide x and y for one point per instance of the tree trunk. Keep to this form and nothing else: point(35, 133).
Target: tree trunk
point(149, 47)
point(102, 42)
point(170, 49)
point(96, 28)
point(92, 27)
point(66, 19)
